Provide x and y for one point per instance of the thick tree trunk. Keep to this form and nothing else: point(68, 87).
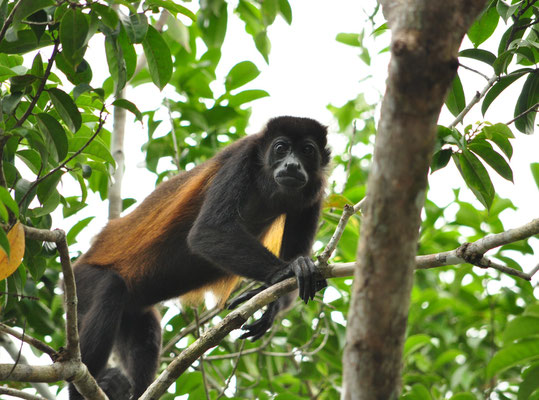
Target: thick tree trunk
point(426, 36)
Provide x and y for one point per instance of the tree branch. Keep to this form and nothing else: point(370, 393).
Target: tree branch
point(19, 393)
point(235, 319)
point(30, 340)
point(41, 86)
point(70, 367)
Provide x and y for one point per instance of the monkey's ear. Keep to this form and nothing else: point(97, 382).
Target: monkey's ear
point(326, 156)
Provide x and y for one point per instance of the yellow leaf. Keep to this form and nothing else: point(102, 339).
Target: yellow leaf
point(8, 265)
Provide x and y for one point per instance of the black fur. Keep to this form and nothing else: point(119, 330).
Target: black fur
point(219, 237)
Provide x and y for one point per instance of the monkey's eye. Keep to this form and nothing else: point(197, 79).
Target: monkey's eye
point(281, 147)
point(308, 149)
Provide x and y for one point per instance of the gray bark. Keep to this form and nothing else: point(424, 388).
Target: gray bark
point(426, 36)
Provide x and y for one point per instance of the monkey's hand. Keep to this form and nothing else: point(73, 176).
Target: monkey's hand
point(245, 296)
point(258, 328)
point(307, 276)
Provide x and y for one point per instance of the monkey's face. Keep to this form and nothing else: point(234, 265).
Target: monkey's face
point(291, 161)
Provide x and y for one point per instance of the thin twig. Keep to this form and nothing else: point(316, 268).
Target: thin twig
point(233, 372)
point(529, 110)
point(474, 70)
point(19, 393)
point(478, 96)
point(202, 370)
point(347, 212)
point(41, 86)
point(30, 340)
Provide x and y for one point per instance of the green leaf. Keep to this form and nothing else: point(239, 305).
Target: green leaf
point(6, 73)
point(464, 396)
point(521, 327)
point(499, 87)
point(74, 29)
point(81, 74)
point(240, 74)
point(4, 242)
point(116, 62)
point(514, 354)
point(26, 41)
point(350, 39)
point(246, 96)
point(47, 187)
point(285, 10)
point(496, 161)
point(27, 8)
point(446, 357)
point(505, 11)
point(479, 54)
point(76, 229)
point(129, 54)
point(455, 100)
point(213, 26)
point(54, 132)
point(263, 45)
point(500, 134)
point(127, 105)
point(158, 57)
point(415, 342)
point(440, 159)
point(31, 158)
point(484, 27)
point(476, 177)
point(535, 172)
point(418, 392)
point(10, 103)
point(527, 98)
point(8, 201)
point(108, 15)
point(65, 106)
point(135, 25)
point(173, 8)
point(95, 149)
point(530, 382)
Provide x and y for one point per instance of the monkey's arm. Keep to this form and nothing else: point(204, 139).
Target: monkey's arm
point(219, 233)
point(297, 241)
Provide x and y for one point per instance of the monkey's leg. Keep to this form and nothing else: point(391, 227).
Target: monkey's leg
point(139, 345)
point(103, 294)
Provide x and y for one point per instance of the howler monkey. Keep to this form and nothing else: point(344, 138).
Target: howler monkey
point(201, 231)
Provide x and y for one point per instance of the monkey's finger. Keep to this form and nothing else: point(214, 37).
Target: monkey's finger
point(321, 284)
point(307, 278)
point(245, 296)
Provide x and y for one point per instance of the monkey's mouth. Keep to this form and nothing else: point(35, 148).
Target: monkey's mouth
point(291, 180)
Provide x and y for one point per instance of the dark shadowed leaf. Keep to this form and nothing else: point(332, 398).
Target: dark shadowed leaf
point(476, 177)
point(513, 354)
point(135, 25)
point(129, 106)
point(455, 100)
point(65, 106)
point(53, 132)
point(529, 97)
point(495, 160)
point(73, 34)
point(479, 54)
point(499, 87)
